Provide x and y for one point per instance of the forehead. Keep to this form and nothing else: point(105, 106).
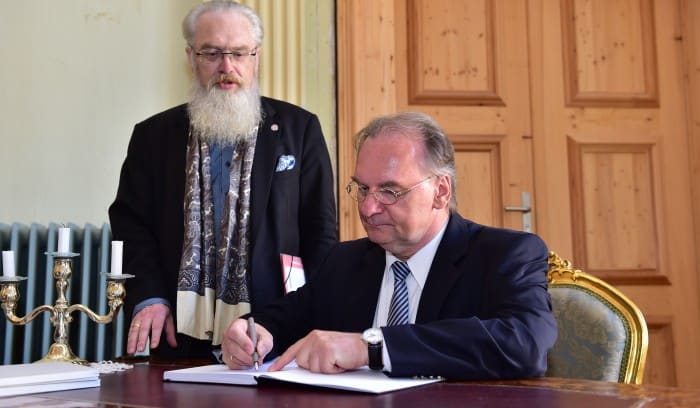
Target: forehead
point(223, 29)
point(389, 158)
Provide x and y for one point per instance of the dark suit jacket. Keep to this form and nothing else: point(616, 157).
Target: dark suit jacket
point(484, 311)
point(291, 211)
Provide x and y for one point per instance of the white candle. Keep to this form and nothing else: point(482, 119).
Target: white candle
point(63, 240)
point(117, 249)
point(8, 264)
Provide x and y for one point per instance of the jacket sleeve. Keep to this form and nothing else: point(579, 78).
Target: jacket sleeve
point(133, 220)
point(318, 231)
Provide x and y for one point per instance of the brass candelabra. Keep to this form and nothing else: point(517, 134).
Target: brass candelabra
point(61, 311)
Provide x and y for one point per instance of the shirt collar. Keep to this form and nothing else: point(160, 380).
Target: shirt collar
point(420, 262)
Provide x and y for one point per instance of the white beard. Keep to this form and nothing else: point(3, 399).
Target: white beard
point(222, 116)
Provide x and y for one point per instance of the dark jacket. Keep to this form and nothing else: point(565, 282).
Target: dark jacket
point(484, 311)
point(292, 211)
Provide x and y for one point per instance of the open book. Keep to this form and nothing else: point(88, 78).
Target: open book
point(360, 380)
point(18, 379)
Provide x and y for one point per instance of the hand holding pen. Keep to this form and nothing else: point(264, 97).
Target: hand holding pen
point(241, 341)
point(254, 338)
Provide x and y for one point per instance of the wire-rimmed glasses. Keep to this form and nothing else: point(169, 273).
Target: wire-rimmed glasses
point(215, 55)
point(385, 196)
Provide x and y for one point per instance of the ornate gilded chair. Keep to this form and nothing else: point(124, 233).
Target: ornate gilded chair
point(602, 334)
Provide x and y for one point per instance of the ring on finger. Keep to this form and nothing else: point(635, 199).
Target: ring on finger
point(136, 325)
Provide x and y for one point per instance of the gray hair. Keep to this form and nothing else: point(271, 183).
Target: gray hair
point(222, 6)
point(440, 154)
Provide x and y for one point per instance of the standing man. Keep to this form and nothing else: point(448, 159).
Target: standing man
point(213, 191)
point(427, 293)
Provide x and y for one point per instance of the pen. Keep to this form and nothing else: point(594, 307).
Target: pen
point(254, 338)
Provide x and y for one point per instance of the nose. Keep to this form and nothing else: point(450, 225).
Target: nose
point(226, 64)
point(369, 206)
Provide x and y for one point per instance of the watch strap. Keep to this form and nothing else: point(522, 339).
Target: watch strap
point(375, 356)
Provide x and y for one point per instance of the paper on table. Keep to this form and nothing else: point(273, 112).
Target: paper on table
point(360, 380)
point(17, 379)
point(48, 387)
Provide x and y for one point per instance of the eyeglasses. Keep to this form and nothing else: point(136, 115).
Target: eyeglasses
point(384, 196)
point(215, 55)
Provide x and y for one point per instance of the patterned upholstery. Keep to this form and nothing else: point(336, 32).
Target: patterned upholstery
point(602, 334)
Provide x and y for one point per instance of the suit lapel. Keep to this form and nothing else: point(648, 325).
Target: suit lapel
point(266, 150)
point(444, 271)
point(371, 275)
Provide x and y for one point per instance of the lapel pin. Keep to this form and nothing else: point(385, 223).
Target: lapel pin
point(274, 127)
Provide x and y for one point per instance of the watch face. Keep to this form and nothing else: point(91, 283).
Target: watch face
point(373, 335)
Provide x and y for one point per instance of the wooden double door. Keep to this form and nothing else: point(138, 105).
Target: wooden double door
point(578, 110)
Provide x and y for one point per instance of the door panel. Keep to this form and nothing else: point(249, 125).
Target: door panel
point(465, 63)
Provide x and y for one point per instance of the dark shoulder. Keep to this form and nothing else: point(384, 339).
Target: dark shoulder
point(488, 237)
point(174, 115)
point(495, 234)
point(277, 107)
point(165, 130)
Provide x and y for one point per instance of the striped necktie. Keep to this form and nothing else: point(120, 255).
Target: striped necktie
point(398, 310)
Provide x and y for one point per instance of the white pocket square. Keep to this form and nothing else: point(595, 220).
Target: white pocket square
point(285, 162)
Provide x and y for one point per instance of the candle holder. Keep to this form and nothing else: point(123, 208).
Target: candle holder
point(61, 311)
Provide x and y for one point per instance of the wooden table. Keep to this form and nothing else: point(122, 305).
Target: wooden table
point(142, 386)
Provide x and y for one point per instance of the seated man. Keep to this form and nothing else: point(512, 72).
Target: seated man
point(427, 293)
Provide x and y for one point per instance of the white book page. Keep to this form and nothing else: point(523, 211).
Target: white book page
point(362, 379)
point(216, 373)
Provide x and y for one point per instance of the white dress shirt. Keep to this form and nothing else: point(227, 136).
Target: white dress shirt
point(419, 264)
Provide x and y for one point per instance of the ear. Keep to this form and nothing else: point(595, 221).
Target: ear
point(443, 192)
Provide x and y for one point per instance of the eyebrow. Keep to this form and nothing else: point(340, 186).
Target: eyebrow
point(238, 48)
point(386, 184)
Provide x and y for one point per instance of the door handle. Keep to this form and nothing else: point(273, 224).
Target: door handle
point(524, 208)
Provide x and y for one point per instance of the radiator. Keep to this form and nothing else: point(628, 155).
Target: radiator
point(89, 340)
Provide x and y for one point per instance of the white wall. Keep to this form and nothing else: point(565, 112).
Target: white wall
point(75, 76)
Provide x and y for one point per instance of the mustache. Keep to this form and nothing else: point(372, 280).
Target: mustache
point(227, 79)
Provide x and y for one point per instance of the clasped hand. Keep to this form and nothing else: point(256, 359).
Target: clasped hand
point(320, 351)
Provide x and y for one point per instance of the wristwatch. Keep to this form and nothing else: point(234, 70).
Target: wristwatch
point(375, 342)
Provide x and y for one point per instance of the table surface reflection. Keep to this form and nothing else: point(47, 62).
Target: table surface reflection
point(142, 386)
